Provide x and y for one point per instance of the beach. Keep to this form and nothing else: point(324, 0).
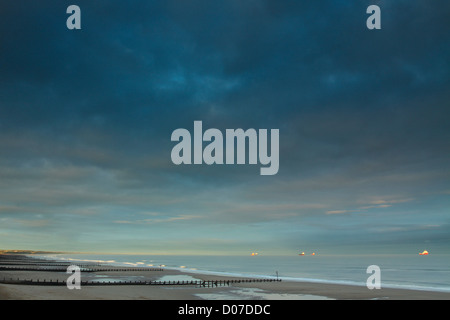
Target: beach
point(26, 268)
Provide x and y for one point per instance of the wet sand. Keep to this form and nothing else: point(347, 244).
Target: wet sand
point(284, 290)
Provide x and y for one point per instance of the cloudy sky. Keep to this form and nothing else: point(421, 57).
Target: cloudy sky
point(86, 118)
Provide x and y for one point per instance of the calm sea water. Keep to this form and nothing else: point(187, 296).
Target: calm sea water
point(405, 271)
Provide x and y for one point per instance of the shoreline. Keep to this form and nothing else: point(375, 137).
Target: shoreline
point(284, 290)
point(244, 275)
point(308, 280)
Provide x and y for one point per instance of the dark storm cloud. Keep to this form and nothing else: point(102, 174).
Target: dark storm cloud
point(159, 62)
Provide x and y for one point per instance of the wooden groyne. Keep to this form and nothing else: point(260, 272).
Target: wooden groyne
point(10, 263)
point(49, 264)
point(197, 283)
point(82, 269)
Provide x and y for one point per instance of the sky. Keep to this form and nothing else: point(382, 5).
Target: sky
point(86, 118)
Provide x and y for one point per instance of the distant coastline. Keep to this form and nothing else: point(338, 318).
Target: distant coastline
point(33, 252)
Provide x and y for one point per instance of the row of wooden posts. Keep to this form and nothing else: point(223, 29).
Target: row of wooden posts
point(200, 283)
point(82, 269)
point(9, 263)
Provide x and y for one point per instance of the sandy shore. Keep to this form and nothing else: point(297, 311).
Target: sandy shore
point(284, 290)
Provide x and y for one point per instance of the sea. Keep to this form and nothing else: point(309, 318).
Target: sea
point(431, 272)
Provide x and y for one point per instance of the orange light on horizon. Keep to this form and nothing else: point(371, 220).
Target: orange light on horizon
point(254, 254)
point(424, 253)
